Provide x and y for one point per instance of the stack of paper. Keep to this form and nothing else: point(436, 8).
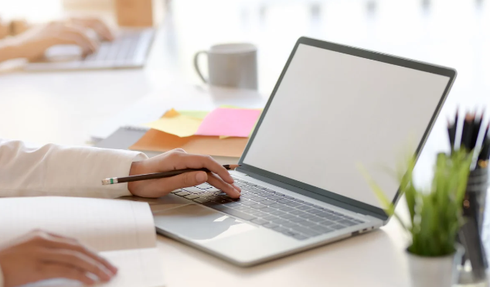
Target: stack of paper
point(221, 132)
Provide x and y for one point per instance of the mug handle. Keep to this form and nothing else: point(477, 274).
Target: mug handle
point(196, 65)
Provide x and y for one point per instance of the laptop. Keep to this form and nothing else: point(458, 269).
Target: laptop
point(334, 106)
point(129, 49)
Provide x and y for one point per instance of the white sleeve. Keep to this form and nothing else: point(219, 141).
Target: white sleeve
point(63, 171)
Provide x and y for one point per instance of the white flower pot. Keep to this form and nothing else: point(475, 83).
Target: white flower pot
point(434, 271)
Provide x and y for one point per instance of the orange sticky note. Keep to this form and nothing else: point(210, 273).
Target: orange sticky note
point(155, 140)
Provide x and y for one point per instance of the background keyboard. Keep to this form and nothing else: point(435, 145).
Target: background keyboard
point(129, 49)
point(271, 209)
point(121, 49)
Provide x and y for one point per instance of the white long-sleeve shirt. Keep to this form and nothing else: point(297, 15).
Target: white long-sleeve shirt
point(62, 171)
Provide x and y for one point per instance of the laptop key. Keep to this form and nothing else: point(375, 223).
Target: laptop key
point(337, 226)
point(332, 217)
point(257, 213)
point(312, 217)
point(297, 212)
point(291, 225)
point(291, 233)
point(270, 217)
point(280, 221)
point(307, 231)
point(182, 193)
point(277, 213)
point(192, 196)
point(289, 216)
point(347, 222)
point(233, 212)
point(201, 200)
point(287, 208)
point(280, 229)
point(259, 221)
point(258, 206)
point(270, 225)
point(326, 223)
point(309, 224)
point(300, 237)
point(322, 229)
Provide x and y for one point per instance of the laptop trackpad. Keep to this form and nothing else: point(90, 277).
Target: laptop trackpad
point(196, 222)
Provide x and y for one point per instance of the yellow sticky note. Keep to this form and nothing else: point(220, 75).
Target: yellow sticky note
point(176, 124)
point(195, 114)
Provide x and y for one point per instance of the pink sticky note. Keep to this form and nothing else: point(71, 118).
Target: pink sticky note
point(229, 122)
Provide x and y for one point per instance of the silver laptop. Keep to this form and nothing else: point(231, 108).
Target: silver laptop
point(129, 49)
point(333, 107)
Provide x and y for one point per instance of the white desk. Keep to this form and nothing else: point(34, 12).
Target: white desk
point(65, 107)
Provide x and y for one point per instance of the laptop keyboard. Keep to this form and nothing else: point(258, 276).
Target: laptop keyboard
point(122, 48)
point(271, 209)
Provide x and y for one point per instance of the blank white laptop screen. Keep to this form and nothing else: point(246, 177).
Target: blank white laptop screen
point(334, 110)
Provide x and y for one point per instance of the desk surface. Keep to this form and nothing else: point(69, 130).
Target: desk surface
point(65, 107)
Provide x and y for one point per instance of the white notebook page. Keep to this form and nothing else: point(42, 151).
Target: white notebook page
point(124, 230)
point(103, 224)
point(136, 269)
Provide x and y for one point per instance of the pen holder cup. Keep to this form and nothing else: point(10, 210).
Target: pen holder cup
point(475, 197)
point(470, 234)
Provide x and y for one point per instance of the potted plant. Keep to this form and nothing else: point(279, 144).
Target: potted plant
point(435, 216)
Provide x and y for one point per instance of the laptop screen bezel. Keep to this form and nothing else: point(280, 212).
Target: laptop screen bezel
point(322, 194)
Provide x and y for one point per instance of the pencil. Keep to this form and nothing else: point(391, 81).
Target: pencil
point(467, 134)
point(476, 129)
point(155, 175)
point(451, 130)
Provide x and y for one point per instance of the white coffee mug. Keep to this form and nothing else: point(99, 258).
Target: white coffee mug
point(230, 65)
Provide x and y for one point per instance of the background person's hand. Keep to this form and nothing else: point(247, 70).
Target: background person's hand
point(95, 24)
point(40, 255)
point(179, 159)
point(33, 43)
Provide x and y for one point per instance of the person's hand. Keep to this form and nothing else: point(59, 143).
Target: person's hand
point(95, 24)
point(40, 255)
point(179, 159)
point(33, 43)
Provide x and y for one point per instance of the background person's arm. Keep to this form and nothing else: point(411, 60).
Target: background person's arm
point(33, 43)
point(9, 50)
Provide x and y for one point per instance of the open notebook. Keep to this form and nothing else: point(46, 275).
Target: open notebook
point(122, 231)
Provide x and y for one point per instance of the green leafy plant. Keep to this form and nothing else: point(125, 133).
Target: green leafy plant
point(435, 214)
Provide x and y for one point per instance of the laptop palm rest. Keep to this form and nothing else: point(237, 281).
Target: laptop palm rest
point(194, 222)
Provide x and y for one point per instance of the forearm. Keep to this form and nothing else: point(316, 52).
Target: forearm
point(65, 171)
point(9, 49)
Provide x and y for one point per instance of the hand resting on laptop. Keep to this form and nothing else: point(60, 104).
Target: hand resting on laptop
point(175, 160)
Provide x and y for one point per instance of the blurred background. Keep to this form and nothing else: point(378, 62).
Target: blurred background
point(450, 33)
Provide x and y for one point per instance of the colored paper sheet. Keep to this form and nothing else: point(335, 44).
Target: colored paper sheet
point(155, 140)
point(176, 123)
point(229, 122)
